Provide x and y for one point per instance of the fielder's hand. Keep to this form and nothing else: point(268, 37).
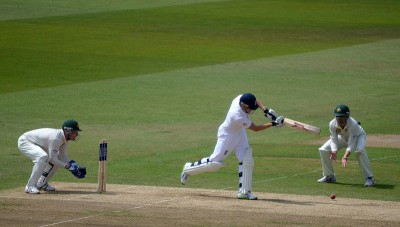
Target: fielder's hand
point(278, 122)
point(270, 114)
point(344, 162)
point(333, 156)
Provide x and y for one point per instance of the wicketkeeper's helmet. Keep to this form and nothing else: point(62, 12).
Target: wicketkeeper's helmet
point(71, 125)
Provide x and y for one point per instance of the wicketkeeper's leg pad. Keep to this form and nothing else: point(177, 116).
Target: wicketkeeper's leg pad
point(47, 173)
point(201, 166)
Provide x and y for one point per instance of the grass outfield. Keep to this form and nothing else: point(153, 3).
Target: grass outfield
point(157, 82)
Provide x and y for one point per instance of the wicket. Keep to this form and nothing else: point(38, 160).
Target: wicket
point(102, 177)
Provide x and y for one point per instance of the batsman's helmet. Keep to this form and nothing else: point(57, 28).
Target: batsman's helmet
point(341, 111)
point(250, 100)
point(71, 125)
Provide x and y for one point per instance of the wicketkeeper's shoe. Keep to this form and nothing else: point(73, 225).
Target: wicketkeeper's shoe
point(46, 187)
point(327, 179)
point(369, 182)
point(31, 189)
point(247, 196)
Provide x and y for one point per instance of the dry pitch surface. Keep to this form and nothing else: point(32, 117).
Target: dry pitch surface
point(126, 205)
point(123, 205)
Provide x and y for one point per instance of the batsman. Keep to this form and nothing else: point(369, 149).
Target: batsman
point(232, 137)
point(47, 148)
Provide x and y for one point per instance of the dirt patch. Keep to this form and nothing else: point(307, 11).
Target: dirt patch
point(127, 205)
point(389, 141)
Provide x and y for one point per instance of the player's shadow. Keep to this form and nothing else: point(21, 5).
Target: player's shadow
point(378, 186)
point(281, 201)
point(284, 201)
point(70, 192)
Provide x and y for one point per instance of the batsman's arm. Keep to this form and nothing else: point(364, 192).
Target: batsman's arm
point(268, 112)
point(261, 105)
point(260, 127)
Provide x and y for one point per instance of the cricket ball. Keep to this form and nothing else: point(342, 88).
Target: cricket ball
point(333, 196)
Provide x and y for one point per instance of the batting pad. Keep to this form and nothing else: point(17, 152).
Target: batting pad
point(203, 167)
point(248, 165)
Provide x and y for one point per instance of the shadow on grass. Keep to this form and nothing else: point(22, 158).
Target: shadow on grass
point(378, 186)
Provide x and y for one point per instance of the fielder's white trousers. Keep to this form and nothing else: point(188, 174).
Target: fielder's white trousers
point(360, 154)
point(37, 155)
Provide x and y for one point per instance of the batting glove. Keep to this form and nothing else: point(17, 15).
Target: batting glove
point(278, 122)
point(270, 114)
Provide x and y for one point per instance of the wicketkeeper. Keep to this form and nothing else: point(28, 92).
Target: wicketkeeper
point(232, 137)
point(47, 148)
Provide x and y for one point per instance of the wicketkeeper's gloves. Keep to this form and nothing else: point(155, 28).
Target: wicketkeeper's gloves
point(76, 170)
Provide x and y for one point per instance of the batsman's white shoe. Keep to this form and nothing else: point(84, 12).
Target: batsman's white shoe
point(247, 196)
point(46, 187)
point(184, 176)
point(369, 182)
point(31, 189)
point(327, 179)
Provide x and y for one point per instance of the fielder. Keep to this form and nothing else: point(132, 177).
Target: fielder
point(232, 137)
point(347, 133)
point(47, 148)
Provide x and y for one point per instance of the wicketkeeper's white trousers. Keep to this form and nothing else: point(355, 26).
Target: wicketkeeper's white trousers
point(38, 157)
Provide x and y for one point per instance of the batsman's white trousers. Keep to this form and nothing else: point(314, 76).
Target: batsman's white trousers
point(37, 155)
point(227, 143)
point(360, 154)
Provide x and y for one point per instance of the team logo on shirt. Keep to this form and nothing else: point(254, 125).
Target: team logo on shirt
point(244, 125)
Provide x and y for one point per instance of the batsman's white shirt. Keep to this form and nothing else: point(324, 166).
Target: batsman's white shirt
point(232, 133)
point(45, 142)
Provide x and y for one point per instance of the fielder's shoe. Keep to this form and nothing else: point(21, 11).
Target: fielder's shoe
point(369, 182)
point(247, 196)
point(31, 189)
point(46, 187)
point(327, 179)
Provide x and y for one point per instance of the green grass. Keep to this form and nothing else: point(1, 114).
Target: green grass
point(43, 52)
point(157, 82)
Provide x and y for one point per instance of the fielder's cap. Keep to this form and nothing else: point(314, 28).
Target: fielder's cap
point(71, 125)
point(341, 110)
point(250, 100)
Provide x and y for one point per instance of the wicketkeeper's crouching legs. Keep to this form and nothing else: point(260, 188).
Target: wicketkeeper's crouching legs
point(47, 173)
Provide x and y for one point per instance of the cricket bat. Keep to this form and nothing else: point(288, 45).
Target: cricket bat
point(302, 126)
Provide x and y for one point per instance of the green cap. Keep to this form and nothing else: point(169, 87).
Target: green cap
point(341, 110)
point(71, 125)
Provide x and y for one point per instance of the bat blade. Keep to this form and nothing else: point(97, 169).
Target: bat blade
point(302, 126)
